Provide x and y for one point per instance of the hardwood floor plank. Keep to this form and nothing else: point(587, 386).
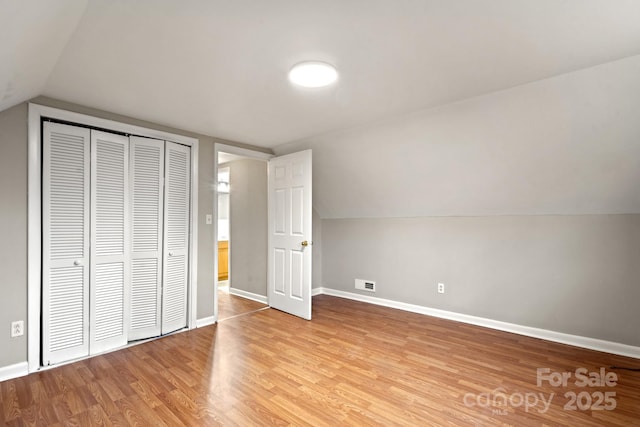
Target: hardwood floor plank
point(137, 413)
point(10, 404)
point(290, 409)
point(102, 397)
point(232, 305)
point(61, 408)
point(147, 394)
point(98, 418)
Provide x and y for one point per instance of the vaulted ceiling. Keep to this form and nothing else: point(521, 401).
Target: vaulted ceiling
point(442, 107)
point(220, 67)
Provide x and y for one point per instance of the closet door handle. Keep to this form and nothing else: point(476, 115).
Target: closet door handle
point(77, 262)
point(170, 253)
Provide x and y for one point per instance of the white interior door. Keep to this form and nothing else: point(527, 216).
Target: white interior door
point(65, 242)
point(290, 227)
point(110, 262)
point(177, 211)
point(147, 207)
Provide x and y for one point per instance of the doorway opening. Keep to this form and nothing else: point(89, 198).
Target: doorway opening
point(241, 223)
point(223, 228)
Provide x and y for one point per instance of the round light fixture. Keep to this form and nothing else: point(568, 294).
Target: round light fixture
point(313, 74)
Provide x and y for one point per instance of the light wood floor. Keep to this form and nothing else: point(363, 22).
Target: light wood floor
point(353, 364)
point(232, 305)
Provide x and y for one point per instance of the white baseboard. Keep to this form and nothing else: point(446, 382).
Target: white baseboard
point(205, 321)
point(316, 291)
point(14, 371)
point(248, 295)
point(560, 337)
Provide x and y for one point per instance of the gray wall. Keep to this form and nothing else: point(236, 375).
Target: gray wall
point(564, 145)
point(572, 274)
point(206, 233)
point(13, 229)
point(524, 202)
point(13, 217)
point(248, 229)
point(316, 280)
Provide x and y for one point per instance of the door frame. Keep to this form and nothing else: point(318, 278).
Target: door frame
point(34, 222)
point(239, 151)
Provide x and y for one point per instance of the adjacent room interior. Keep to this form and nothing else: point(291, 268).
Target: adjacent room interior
point(439, 225)
point(242, 232)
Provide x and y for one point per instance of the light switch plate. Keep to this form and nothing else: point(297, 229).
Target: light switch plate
point(209, 219)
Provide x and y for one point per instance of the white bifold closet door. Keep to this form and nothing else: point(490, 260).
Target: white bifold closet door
point(147, 205)
point(177, 210)
point(160, 236)
point(109, 268)
point(85, 242)
point(65, 242)
point(116, 227)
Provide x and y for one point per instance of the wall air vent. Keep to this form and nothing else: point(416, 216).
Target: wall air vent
point(366, 285)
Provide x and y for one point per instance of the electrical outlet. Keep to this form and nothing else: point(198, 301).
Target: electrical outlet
point(441, 288)
point(17, 328)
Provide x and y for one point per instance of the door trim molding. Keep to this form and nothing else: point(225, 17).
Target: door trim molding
point(239, 151)
point(34, 201)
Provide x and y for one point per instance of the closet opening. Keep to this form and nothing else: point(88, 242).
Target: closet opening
point(112, 235)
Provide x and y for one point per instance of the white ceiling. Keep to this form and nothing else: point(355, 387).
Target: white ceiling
point(219, 67)
point(32, 37)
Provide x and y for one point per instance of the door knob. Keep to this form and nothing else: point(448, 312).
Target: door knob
point(170, 253)
point(77, 262)
point(306, 243)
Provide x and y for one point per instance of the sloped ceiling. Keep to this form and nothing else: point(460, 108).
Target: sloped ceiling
point(442, 107)
point(219, 67)
point(32, 35)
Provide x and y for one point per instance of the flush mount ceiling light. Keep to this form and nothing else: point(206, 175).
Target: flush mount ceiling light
point(313, 74)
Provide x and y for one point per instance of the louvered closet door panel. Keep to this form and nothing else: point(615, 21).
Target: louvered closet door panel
point(147, 204)
point(176, 243)
point(109, 282)
point(65, 237)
